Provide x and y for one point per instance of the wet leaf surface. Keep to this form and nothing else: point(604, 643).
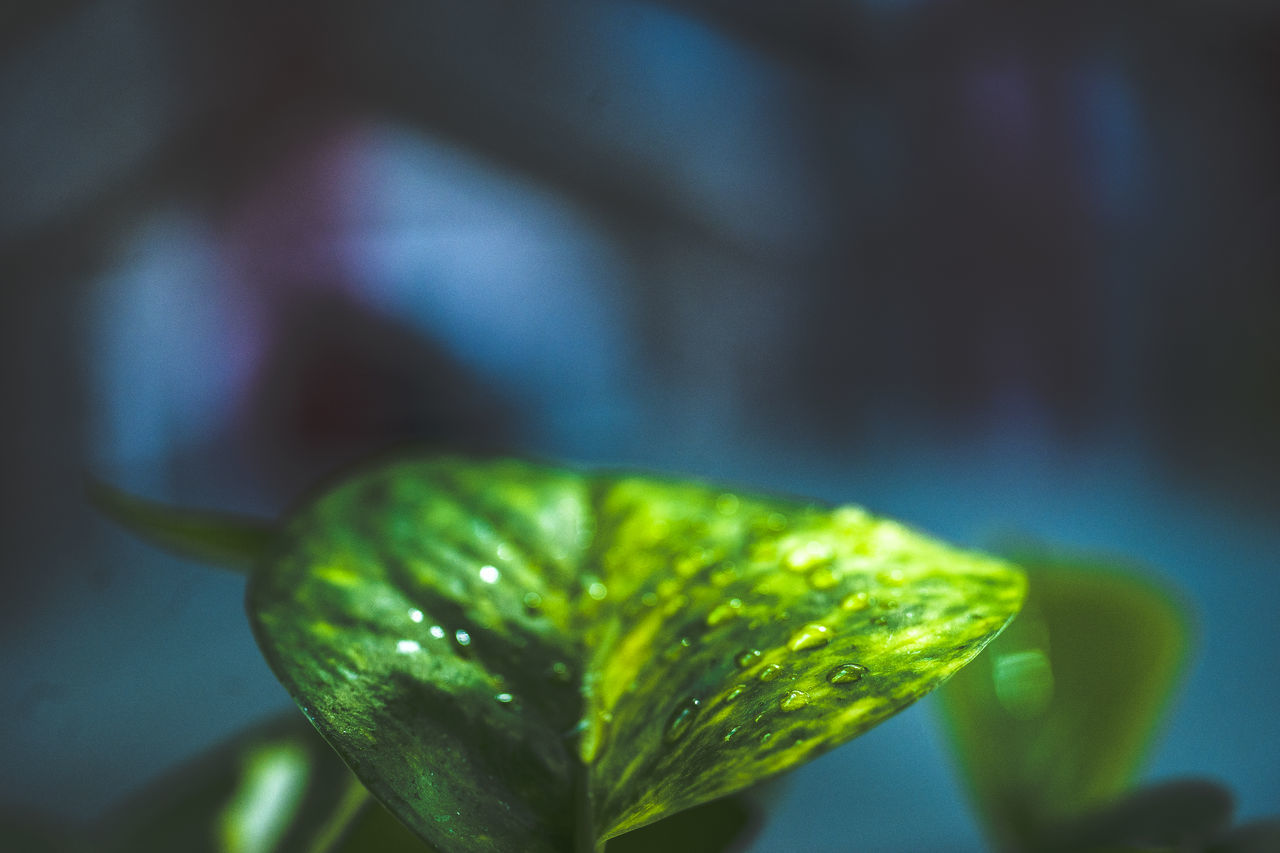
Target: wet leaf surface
point(522, 658)
point(1053, 720)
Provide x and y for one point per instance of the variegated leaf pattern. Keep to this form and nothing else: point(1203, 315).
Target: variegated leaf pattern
point(518, 657)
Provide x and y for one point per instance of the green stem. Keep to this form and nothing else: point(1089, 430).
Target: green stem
point(584, 836)
point(355, 798)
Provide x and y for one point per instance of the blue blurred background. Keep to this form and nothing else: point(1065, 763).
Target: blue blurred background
point(984, 267)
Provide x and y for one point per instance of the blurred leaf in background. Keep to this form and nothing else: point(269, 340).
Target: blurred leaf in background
point(1053, 721)
point(278, 788)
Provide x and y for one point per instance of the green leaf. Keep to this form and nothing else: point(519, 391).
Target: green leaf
point(522, 658)
point(276, 789)
point(1054, 720)
point(223, 539)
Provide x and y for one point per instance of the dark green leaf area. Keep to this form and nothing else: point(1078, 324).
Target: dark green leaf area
point(1053, 720)
point(376, 830)
point(515, 657)
point(422, 616)
point(278, 788)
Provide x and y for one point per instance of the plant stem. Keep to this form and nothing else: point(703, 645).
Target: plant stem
point(355, 798)
point(584, 829)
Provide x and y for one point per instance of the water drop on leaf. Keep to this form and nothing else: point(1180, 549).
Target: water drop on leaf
point(894, 577)
point(681, 719)
point(727, 504)
point(770, 672)
point(794, 700)
point(855, 601)
point(723, 612)
point(807, 556)
point(846, 673)
point(747, 658)
point(677, 649)
point(811, 636)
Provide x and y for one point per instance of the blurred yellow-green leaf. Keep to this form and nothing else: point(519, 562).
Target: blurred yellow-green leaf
point(1052, 722)
point(276, 789)
point(515, 657)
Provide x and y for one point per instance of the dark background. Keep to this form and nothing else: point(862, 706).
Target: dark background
point(987, 267)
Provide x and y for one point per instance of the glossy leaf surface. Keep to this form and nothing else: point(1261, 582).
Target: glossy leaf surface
point(517, 657)
point(1055, 718)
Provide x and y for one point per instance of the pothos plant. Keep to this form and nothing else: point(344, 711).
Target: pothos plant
point(515, 657)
